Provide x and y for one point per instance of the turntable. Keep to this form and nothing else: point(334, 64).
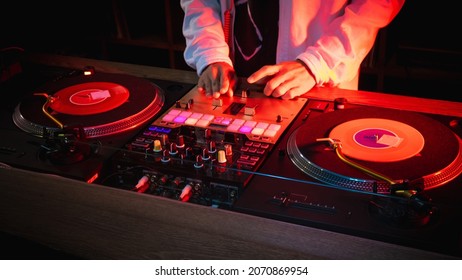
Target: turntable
point(387, 174)
point(68, 122)
point(389, 149)
point(99, 104)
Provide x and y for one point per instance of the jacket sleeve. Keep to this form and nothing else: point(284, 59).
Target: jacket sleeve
point(203, 32)
point(337, 55)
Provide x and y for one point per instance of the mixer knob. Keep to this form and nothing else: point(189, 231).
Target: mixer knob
point(199, 163)
point(207, 134)
point(157, 146)
point(212, 147)
point(228, 150)
point(221, 157)
point(180, 142)
point(164, 139)
point(188, 152)
point(205, 154)
point(173, 149)
point(165, 156)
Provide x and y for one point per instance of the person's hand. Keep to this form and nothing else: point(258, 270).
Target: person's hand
point(286, 80)
point(217, 79)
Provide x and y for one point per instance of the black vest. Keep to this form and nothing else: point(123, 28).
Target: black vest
point(255, 35)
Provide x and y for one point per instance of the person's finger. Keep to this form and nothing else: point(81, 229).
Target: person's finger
point(277, 85)
point(230, 92)
point(260, 75)
point(207, 85)
point(215, 86)
point(280, 90)
point(298, 89)
point(224, 84)
point(293, 93)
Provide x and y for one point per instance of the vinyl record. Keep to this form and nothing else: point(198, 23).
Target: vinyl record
point(418, 140)
point(101, 104)
point(378, 140)
point(89, 98)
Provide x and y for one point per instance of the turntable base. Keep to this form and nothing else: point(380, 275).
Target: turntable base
point(311, 185)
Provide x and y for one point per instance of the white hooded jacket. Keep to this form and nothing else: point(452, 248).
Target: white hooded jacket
point(332, 37)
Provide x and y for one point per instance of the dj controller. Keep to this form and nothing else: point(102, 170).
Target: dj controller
point(385, 174)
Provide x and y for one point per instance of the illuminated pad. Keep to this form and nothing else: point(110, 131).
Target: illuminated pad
point(254, 128)
point(269, 119)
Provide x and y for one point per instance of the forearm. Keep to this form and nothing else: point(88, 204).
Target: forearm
point(337, 55)
point(203, 32)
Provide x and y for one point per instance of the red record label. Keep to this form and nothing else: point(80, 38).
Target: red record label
point(89, 98)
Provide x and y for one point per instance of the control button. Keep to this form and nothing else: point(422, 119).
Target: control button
point(217, 102)
point(249, 111)
point(318, 105)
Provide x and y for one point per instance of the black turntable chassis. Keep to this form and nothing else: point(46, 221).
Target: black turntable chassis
point(133, 226)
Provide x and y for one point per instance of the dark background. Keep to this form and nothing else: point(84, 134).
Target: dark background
point(418, 54)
